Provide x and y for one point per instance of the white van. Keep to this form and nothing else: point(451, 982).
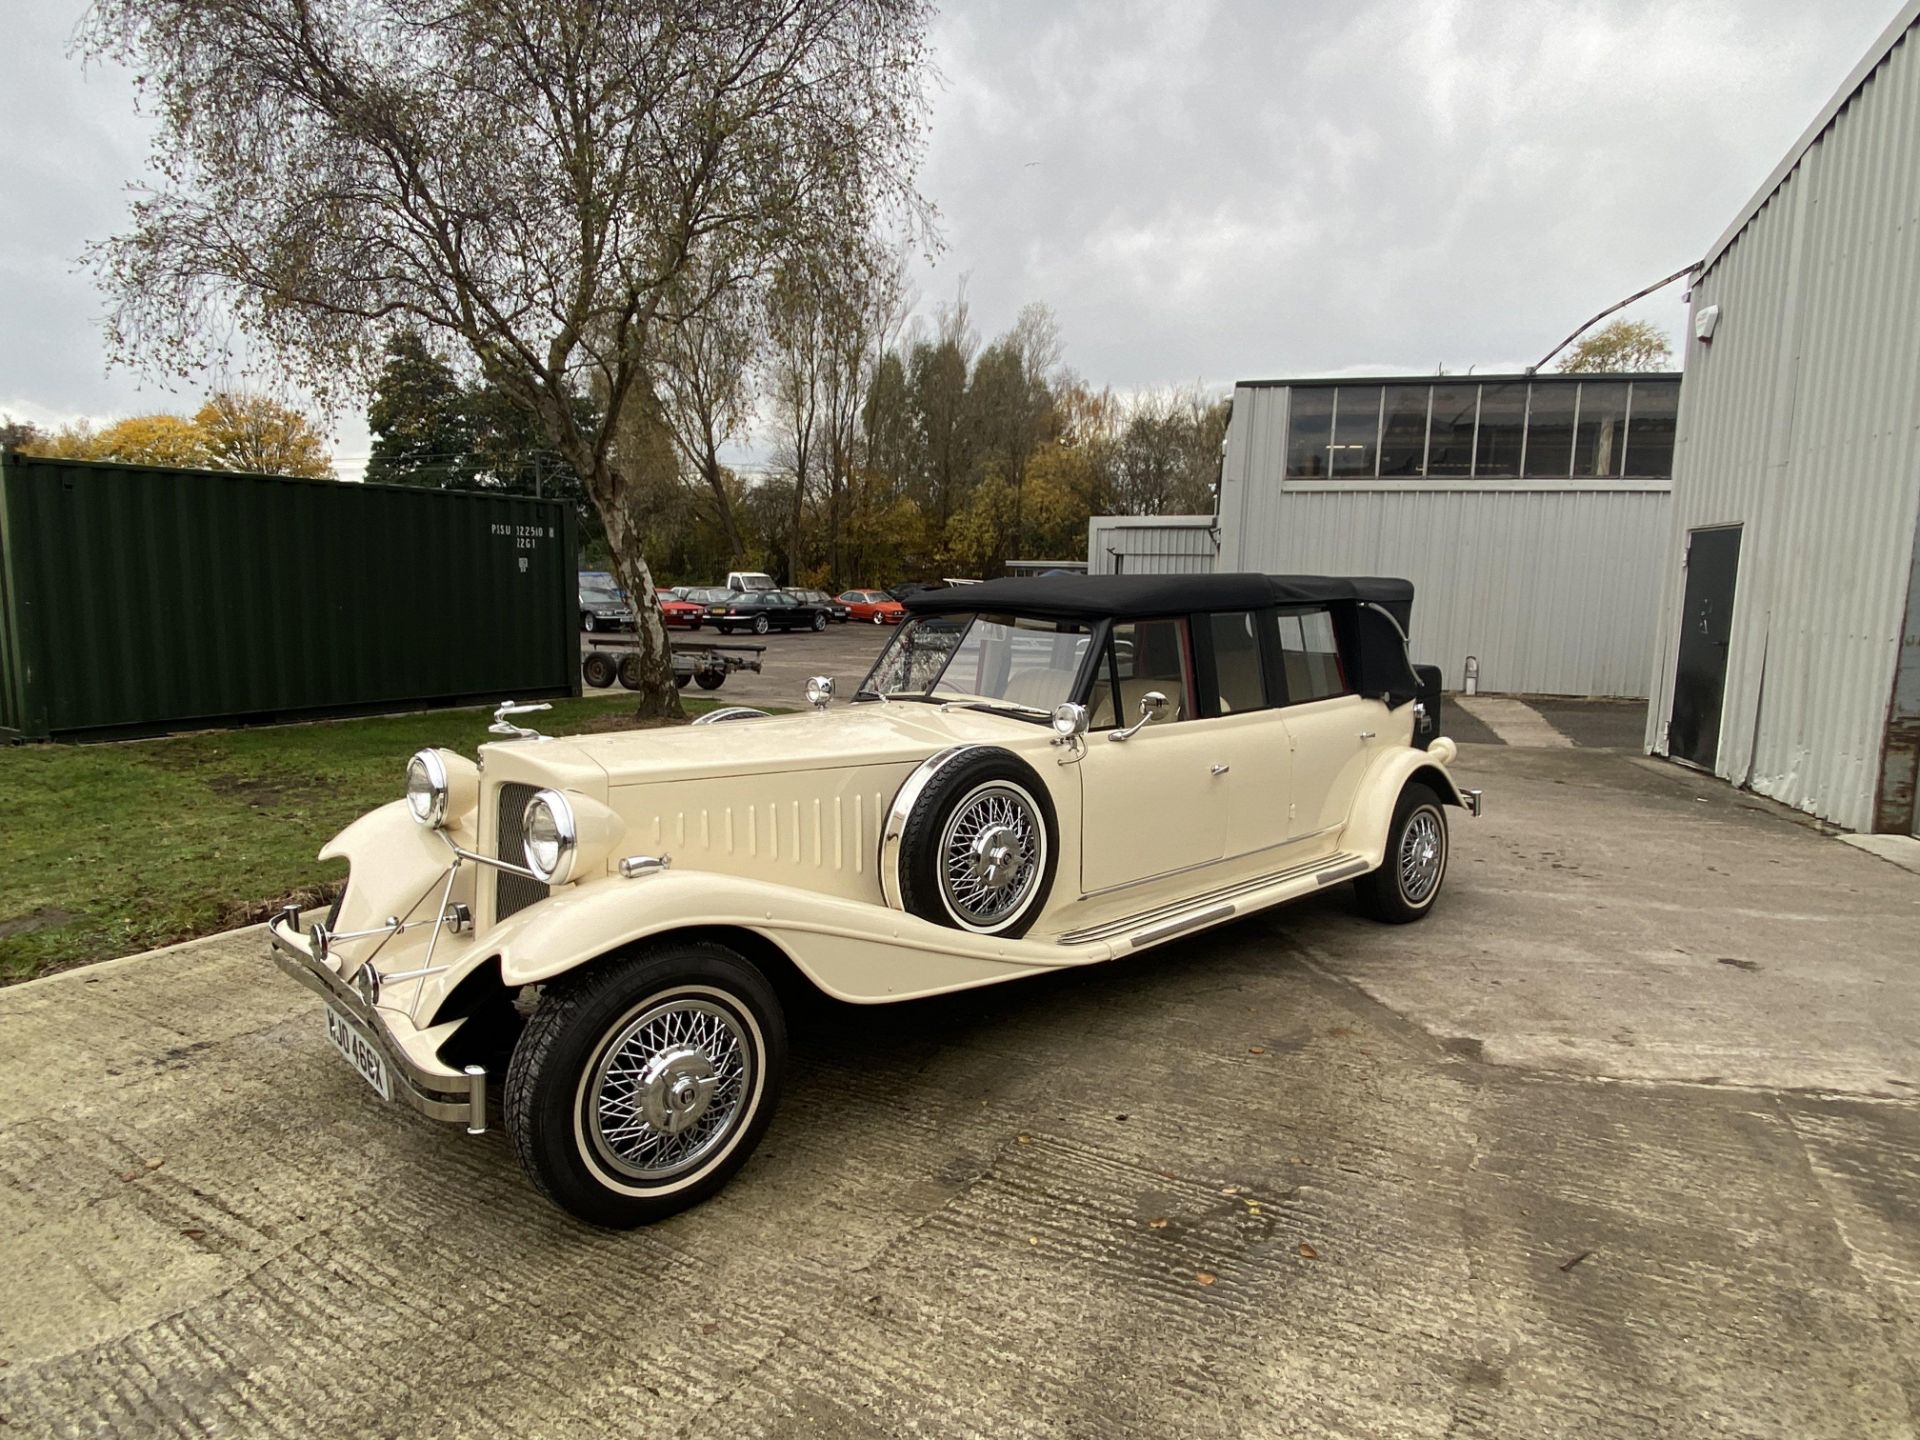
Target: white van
point(744, 580)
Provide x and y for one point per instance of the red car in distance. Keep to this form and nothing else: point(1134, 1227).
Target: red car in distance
point(873, 605)
point(676, 611)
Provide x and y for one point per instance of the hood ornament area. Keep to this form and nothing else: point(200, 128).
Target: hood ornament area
point(503, 726)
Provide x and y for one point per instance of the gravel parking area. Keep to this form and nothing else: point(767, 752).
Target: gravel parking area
point(1623, 1141)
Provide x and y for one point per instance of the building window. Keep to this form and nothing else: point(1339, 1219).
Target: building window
point(1653, 409)
point(1503, 428)
point(1550, 412)
point(1543, 429)
point(1356, 431)
point(1311, 656)
point(1600, 434)
point(1403, 430)
point(1456, 408)
point(1309, 432)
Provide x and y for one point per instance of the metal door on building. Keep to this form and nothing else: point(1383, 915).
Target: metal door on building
point(1706, 628)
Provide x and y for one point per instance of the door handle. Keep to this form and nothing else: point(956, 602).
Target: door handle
point(1366, 734)
point(1221, 769)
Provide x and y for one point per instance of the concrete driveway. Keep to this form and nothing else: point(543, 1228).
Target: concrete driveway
point(1624, 1140)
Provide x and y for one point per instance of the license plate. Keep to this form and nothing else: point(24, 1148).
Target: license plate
point(361, 1052)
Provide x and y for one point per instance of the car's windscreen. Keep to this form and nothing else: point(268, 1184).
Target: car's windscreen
point(599, 595)
point(1017, 661)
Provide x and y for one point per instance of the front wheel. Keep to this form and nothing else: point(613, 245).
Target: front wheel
point(589, 624)
point(710, 679)
point(879, 619)
point(1403, 889)
point(819, 621)
point(642, 1083)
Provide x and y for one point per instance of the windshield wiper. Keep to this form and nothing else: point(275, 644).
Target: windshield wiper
point(1000, 707)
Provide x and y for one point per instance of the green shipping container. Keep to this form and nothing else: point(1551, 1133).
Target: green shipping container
point(134, 598)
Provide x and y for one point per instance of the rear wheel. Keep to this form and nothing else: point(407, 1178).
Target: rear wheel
point(680, 679)
point(588, 623)
point(1408, 881)
point(642, 1083)
point(710, 680)
point(760, 625)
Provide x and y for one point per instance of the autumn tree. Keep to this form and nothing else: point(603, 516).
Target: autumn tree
point(251, 432)
point(526, 180)
point(1625, 345)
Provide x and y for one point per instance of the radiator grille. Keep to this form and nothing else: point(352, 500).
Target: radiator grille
point(513, 892)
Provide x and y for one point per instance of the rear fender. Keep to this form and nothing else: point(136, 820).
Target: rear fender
point(1372, 817)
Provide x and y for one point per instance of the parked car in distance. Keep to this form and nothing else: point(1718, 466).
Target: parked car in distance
point(836, 612)
point(876, 606)
point(764, 610)
point(749, 580)
point(603, 607)
point(679, 613)
point(706, 596)
point(1064, 772)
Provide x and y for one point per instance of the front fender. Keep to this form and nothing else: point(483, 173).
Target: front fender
point(1372, 817)
point(851, 949)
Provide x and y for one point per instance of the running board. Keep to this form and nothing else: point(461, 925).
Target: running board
point(1163, 922)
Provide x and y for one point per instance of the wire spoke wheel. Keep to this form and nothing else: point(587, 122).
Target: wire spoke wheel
point(669, 1088)
point(990, 855)
point(1422, 857)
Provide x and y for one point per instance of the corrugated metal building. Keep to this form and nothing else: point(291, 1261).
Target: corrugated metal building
point(1788, 654)
point(1151, 545)
point(1529, 511)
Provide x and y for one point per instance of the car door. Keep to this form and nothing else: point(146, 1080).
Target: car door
point(1254, 747)
point(1333, 731)
point(1150, 805)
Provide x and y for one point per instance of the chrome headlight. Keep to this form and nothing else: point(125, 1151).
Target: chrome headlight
point(427, 789)
point(552, 837)
point(820, 691)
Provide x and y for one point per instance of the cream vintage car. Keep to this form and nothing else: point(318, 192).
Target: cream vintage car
point(1037, 774)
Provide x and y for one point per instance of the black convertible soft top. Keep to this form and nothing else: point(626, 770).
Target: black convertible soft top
point(1375, 650)
point(1124, 597)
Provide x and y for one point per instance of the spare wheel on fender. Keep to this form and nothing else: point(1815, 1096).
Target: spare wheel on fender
point(974, 842)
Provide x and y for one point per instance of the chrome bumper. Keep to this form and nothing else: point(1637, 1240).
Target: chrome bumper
point(436, 1094)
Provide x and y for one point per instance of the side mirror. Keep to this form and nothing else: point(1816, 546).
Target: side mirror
point(1152, 705)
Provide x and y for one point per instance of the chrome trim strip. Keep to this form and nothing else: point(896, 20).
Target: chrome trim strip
point(895, 823)
point(1342, 872)
point(1180, 927)
point(436, 1095)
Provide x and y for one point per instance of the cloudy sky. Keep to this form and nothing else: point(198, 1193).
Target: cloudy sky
point(1203, 190)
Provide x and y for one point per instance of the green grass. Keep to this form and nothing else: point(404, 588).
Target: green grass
point(113, 849)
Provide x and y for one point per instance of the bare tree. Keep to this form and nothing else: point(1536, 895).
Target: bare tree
point(705, 378)
point(528, 179)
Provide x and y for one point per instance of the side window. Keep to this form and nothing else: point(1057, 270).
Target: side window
point(1142, 655)
point(1311, 655)
point(1236, 662)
